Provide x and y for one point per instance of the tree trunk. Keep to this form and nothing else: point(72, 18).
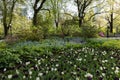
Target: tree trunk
point(56, 23)
point(36, 9)
point(35, 18)
point(111, 23)
point(7, 19)
point(6, 29)
point(80, 20)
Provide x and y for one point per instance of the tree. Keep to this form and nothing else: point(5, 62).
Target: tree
point(111, 18)
point(7, 13)
point(82, 5)
point(110, 21)
point(56, 7)
point(37, 6)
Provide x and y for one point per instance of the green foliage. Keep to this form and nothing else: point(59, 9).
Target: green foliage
point(75, 31)
point(21, 24)
point(104, 43)
point(3, 45)
point(33, 34)
point(25, 51)
point(112, 44)
point(36, 34)
point(55, 59)
point(1, 30)
point(8, 59)
point(89, 31)
point(44, 23)
point(95, 42)
point(24, 31)
point(69, 27)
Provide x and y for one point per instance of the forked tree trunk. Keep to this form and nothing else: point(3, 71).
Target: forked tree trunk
point(7, 20)
point(36, 9)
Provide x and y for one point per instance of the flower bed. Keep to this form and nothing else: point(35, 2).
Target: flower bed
point(59, 63)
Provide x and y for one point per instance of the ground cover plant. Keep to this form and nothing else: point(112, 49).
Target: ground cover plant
point(105, 43)
point(58, 60)
point(59, 40)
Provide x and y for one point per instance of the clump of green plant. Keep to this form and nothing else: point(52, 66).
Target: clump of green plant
point(8, 59)
point(69, 27)
point(113, 44)
point(89, 31)
point(36, 34)
point(3, 45)
point(103, 43)
point(33, 34)
point(95, 42)
point(43, 24)
point(20, 24)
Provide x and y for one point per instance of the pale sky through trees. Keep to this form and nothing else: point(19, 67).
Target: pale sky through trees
point(71, 7)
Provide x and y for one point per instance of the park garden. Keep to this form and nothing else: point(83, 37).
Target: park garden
point(59, 40)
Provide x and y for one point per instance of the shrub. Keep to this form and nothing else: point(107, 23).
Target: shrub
point(34, 34)
point(89, 31)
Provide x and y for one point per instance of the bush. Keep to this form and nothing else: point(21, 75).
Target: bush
point(89, 31)
point(34, 34)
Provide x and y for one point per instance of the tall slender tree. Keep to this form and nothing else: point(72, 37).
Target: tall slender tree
point(56, 7)
point(7, 13)
point(110, 17)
